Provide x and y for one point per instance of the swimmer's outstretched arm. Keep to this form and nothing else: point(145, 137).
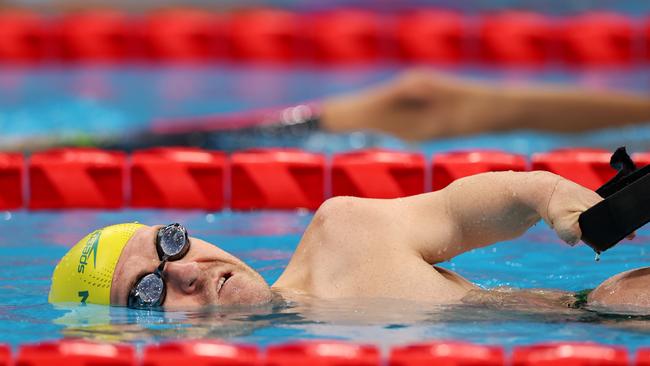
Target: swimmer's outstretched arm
point(385, 247)
point(487, 208)
point(422, 105)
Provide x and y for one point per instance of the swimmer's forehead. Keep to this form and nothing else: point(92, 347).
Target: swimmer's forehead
point(139, 249)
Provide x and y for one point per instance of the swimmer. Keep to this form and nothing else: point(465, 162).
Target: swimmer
point(353, 248)
point(421, 105)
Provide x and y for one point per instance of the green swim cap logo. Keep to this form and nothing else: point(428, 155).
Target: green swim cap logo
point(90, 248)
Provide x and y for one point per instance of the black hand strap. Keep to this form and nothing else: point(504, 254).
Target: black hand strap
point(625, 208)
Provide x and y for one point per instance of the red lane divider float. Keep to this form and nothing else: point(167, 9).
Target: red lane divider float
point(339, 36)
point(76, 178)
point(348, 36)
point(446, 354)
point(517, 38)
point(200, 353)
point(598, 39)
point(323, 353)
point(646, 37)
point(75, 353)
point(272, 178)
point(5, 355)
point(178, 178)
point(643, 357)
point(585, 166)
point(318, 353)
point(378, 173)
point(97, 36)
point(569, 354)
point(448, 167)
point(24, 37)
point(641, 159)
point(431, 36)
point(187, 35)
point(11, 180)
point(277, 178)
point(267, 35)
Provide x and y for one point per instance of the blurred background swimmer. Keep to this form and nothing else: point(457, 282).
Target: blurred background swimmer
point(415, 106)
point(421, 105)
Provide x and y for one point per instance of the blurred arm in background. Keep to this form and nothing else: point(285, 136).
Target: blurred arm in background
point(422, 105)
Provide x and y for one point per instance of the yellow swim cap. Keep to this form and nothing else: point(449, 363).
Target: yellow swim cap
point(85, 273)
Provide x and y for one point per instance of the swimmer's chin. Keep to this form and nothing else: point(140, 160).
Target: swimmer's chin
point(263, 304)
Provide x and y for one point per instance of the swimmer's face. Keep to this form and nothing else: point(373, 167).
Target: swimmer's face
point(195, 280)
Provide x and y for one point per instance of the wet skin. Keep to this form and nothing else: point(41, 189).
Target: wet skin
point(195, 280)
point(624, 293)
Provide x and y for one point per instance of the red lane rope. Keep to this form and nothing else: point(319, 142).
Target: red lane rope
point(319, 352)
point(269, 178)
point(342, 36)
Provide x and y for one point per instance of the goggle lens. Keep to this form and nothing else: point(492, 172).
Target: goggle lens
point(149, 290)
point(172, 243)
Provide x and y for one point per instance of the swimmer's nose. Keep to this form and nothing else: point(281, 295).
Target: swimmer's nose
point(182, 276)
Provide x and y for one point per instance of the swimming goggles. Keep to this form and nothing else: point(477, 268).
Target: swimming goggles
point(172, 243)
point(625, 207)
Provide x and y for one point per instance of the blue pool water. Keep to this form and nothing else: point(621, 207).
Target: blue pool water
point(34, 241)
point(59, 102)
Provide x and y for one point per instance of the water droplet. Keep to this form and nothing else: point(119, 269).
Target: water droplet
point(7, 216)
point(209, 218)
point(597, 258)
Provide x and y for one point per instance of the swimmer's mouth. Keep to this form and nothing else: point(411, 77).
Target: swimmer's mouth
point(222, 281)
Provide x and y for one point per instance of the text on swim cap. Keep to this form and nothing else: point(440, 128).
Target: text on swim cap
point(89, 248)
point(84, 296)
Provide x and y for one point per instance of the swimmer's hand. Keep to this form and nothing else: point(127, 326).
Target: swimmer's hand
point(565, 204)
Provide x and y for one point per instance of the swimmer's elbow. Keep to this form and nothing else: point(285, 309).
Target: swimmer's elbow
point(334, 209)
point(353, 220)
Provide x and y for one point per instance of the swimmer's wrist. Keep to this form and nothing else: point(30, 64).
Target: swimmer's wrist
point(341, 114)
point(545, 188)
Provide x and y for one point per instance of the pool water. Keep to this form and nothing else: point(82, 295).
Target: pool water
point(59, 102)
point(62, 102)
point(33, 242)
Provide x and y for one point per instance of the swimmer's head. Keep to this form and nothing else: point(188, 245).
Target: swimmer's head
point(85, 273)
point(205, 275)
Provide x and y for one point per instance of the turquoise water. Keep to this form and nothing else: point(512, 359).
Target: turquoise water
point(62, 102)
point(33, 242)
